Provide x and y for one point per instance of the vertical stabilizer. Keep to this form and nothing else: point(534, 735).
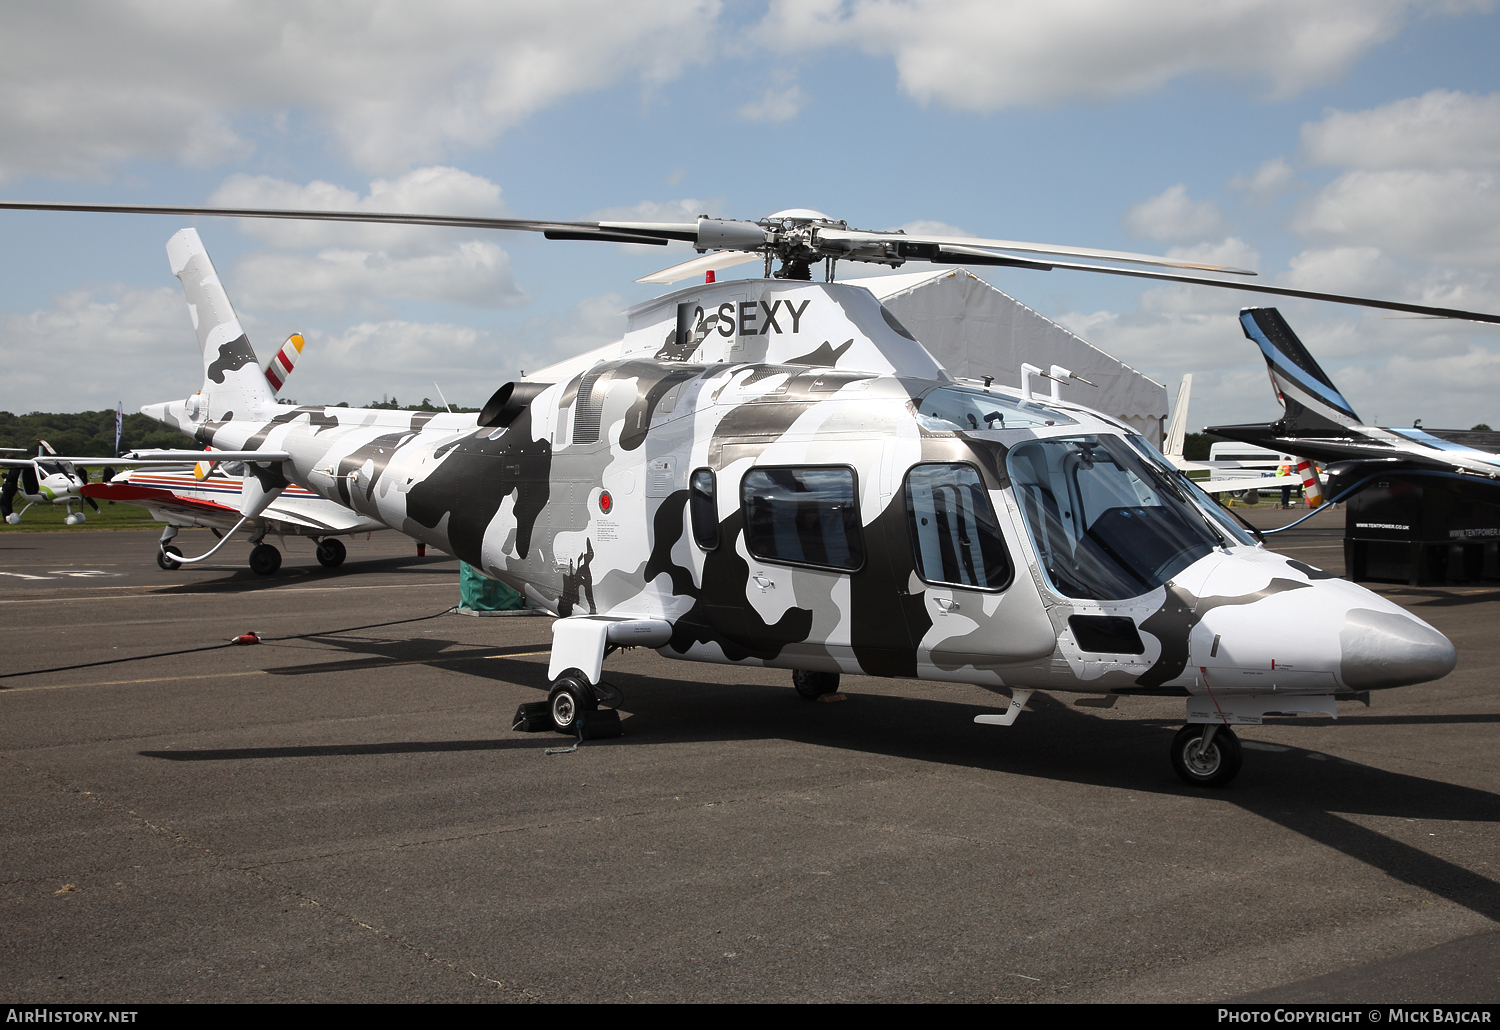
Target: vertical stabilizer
point(233, 384)
point(1304, 390)
point(1177, 427)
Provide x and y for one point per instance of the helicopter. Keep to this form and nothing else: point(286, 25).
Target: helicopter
point(774, 472)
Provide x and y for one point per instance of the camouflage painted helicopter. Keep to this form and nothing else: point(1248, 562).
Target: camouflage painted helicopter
point(773, 472)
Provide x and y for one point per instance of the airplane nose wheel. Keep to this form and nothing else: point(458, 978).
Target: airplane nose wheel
point(164, 558)
point(1211, 766)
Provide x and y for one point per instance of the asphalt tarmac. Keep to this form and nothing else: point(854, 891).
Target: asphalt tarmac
point(344, 815)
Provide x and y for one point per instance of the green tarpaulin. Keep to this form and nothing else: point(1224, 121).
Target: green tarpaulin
point(479, 593)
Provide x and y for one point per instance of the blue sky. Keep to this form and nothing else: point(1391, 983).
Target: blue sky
point(1331, 144)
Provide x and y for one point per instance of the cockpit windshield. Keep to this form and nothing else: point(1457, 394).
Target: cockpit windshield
point(949, 407)
point(1106, 523)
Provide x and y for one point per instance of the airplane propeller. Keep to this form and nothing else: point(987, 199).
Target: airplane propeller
point(799, 238)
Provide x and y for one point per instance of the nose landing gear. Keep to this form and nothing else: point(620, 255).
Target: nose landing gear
point(1206, 754)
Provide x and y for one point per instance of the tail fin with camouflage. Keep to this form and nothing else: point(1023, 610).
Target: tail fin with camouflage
point(233, 383)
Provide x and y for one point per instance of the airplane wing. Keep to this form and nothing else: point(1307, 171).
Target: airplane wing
point(157, 499)
point(1237, 483)
point(309, 512)
point(319, 514)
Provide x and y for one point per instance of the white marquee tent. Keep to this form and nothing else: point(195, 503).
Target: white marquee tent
point(975, 330)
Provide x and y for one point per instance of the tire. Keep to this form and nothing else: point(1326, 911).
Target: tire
point(568, 702)
point(264, 560)
point(164, 558)
point(813, 685)
point(1215, 768)
point(331, 553)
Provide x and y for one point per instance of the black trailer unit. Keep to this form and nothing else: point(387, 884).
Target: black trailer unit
point(1416, 528)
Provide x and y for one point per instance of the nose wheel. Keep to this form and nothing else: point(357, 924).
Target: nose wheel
point(1206, 754)
point(813, 685)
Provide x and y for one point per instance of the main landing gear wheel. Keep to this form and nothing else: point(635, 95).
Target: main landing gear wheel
point(331, 553)
point(1216, 765)
point(813, 685)
point(570, 702)
point(164, 558)
point(264, 560)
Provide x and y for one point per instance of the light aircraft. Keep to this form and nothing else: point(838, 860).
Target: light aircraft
point(193, 495)
point(1319, 423)
point(44, 479)
point(773, 472)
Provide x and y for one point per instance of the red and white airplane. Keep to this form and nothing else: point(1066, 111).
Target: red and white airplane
point(209, 497)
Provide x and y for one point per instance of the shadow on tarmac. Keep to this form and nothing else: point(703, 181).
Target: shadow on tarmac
point(1059, 743)
point(243, 580)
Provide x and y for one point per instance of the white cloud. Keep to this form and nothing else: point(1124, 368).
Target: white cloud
point(473, 272)
point(371, 360)
point(376, 358)
point(431, 190)
point(370, 264)
point(138, 347)
point(1271, 179)
point(1360, 271)
point(774, 105)
point(92, 348)
point(1173, 215)
point(1450, 216)
point(86, 87)
point(985, 55)
point(1438, 130)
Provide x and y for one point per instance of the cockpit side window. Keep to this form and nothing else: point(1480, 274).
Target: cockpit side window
point(804, 516)
point(1106, 524)
point(955, 537)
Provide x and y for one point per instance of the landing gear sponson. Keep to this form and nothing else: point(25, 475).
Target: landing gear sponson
point(580, 702)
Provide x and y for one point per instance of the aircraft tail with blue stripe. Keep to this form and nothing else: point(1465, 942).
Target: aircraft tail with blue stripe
point(1313, 404)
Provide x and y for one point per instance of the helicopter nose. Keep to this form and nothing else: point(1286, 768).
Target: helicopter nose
point(1387, 649)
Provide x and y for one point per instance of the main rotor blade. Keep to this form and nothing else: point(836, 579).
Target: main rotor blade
point(698, 265)
point(612, 232)
point(955, 255)
point(949, 242)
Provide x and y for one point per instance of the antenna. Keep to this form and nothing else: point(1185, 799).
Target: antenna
point(440, 395)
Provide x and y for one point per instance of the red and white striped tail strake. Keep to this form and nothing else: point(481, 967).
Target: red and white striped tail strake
point(281, 365)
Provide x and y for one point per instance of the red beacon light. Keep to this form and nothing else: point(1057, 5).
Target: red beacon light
point(709, 277)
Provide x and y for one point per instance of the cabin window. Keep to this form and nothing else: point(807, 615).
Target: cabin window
point(954, 534)
point(704, 508)
point(805, 516)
